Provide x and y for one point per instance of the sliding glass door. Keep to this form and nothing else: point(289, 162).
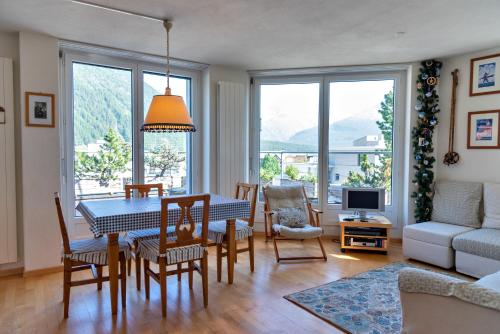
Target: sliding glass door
point(330, 132)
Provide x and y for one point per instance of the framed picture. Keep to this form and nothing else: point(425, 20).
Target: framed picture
point(484, 128)
point(40, 110)
point(485, 75)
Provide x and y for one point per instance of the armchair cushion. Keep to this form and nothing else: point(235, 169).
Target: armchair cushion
point(491, 207)
point(292, 217)
point(306, 232)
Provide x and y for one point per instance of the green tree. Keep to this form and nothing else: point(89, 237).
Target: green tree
point(165, 159)
point(292, 172)
point(377, 175)
point(269, 168)
point(113, 156)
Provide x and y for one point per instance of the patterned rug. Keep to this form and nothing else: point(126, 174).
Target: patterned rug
point(366, 303)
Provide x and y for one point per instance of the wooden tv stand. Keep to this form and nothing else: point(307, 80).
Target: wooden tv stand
point(375, 233)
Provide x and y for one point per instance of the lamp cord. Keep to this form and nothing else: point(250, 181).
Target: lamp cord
point(168, 25)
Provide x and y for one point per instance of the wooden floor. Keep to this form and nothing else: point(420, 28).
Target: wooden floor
point(253, 304)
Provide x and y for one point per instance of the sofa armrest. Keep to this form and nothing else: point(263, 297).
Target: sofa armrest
point(422, 281)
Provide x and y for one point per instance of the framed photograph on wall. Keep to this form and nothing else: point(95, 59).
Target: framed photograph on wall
point(483, 128)
point(485, 75)
point(40, 110)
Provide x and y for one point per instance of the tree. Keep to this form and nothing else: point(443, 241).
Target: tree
point(166, 159)
point(113, 156)
point(269, 168)
point(292, 172)
point(377, 175)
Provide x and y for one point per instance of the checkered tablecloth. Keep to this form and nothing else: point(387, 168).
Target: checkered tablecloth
point(121, 215)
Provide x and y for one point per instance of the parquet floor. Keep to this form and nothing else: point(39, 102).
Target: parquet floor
point(253, 304)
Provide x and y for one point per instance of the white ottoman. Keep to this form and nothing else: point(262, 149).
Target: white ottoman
point(431, 242)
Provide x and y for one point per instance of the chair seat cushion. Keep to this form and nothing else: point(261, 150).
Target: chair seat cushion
point(149, 249)
point(217, 230)
point(151, 233)
point(306, 232)
point(434, 233)
point(94, 251)
point(484, 242)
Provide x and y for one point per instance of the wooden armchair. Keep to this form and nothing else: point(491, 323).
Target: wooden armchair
point(278, 199)
point(186, 246)
point(88, 254)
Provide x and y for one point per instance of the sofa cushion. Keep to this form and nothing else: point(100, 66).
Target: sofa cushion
point(457, 203)
point(491, 205)
point(434, 233)
point(490, 281)
point(484, 242)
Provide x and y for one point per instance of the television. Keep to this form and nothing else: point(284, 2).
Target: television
point(362, 200)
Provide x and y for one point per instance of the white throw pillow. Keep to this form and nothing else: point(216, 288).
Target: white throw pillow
point(292, 217)
point(491, 205)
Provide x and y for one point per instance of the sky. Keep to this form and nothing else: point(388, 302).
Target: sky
point(290, 108)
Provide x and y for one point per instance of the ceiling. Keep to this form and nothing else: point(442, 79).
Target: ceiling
point(264, 34)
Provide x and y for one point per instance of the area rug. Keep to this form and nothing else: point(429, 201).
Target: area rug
point(365, 303)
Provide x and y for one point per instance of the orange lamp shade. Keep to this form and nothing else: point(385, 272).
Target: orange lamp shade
point(168, 113)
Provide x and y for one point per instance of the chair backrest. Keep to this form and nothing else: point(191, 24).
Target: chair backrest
point(280, 197)
point(62, 224)
point(143, 190)
point(243, 191)
point(185, 226)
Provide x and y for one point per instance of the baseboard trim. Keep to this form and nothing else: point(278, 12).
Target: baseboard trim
point(11, 272)
point(43, 271)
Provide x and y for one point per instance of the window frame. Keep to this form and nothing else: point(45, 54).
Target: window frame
point(324, 77)
point(77, 225)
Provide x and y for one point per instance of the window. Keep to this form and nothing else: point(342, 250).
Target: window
point(328, 132)
point(106, 101)
point(289, 135)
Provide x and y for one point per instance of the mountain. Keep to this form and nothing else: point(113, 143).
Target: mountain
point(342, 133)
point(273, 145)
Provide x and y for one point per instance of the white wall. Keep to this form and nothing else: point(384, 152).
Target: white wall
point(9, 48)
point(474, 165)
point(39, 68)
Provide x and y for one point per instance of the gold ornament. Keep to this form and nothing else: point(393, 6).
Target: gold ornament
point(432, 81)
point(419, 85)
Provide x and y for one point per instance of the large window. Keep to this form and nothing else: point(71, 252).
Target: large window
point(329, 131)
point(289, 135)
point(107, 100)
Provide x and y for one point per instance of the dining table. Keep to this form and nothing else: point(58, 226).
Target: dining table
point(114, 216)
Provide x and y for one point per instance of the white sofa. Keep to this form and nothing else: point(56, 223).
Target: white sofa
point(456, 235)
point(434, 303)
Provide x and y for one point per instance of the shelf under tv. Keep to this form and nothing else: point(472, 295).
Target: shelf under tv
point(379, 223)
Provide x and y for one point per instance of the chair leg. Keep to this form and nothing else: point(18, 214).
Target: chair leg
point(138, 272)
point(129, 265)
point(67, 286)
point(204, 278)
point(251, 252)
point(190, 267)
point(179, 272)
point(163, 285)
point(322, 248)
point(99, 276)
point(235, 253)
point(146, 277)
point(276, 253)
point(219, 262)
point(123, 279)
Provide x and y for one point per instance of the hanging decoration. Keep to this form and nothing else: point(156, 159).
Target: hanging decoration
point(427, 109)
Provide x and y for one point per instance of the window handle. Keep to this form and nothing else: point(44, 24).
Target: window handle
point(2, 115)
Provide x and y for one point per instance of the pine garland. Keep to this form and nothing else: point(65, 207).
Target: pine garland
point(427, 108)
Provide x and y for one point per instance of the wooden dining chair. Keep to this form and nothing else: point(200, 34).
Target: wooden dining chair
point(133, 237)
point(290, 203)
point(186, 247)
point(217, 230)
point(88, 254)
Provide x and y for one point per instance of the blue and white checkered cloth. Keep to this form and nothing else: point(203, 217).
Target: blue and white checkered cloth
point(121, 215)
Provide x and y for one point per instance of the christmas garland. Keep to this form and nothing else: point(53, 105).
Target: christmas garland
point(427, 108)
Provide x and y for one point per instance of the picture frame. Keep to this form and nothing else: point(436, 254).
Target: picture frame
point(485, 75)
point(483, 129)
point(40, 110)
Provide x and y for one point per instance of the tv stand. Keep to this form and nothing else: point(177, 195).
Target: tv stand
point(372, 233)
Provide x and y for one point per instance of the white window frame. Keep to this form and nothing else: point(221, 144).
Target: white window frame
point(134, 62)
point(324, 76)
